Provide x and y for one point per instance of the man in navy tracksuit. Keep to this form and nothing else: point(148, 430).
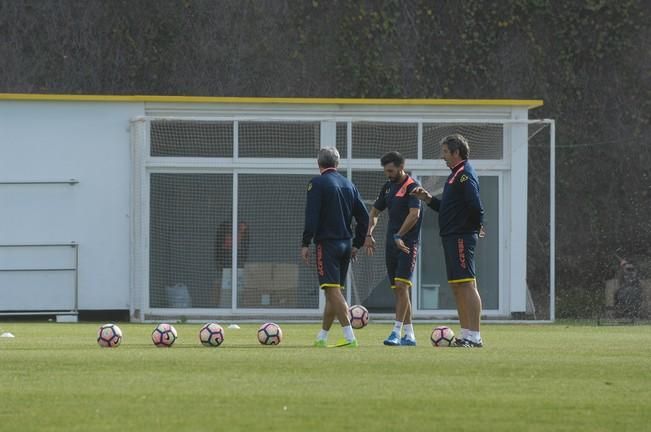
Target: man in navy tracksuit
point(461, 223)
point(403, 231)
point(332, 203)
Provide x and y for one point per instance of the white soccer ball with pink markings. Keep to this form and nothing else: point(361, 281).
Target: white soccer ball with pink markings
point(109, 336)
point(442, 337)
point(164, 335)
point(211, 335)
point(358, 316)
point(270, 334)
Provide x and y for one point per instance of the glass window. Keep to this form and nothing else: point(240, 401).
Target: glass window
point(190, 239)
point(371, 140)
point(371, 286)
point(434, 292)
point(485, 139)
point(342, 139)
point(273, 209)
point(279, 139)
point(191, 138)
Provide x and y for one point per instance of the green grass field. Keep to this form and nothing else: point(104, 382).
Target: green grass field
point(54, 377)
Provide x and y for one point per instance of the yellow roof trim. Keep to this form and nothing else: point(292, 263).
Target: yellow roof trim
point(530, 103)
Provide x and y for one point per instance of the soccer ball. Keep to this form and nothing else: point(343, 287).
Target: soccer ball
point(211, 335)
point(358, 316)
point(442, 336)
point(109, 336)
point(270, 334)
point(164, 335)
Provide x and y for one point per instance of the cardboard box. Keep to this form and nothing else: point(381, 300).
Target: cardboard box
point(269, 285)
point(285, 285)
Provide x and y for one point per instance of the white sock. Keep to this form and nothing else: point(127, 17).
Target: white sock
point(474, 336)
point(348, 333)
point(397, 327)
point(464, 333)
point(323, 335)
point(409, 331)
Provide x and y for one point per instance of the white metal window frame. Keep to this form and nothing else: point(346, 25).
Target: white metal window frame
point(144, 165)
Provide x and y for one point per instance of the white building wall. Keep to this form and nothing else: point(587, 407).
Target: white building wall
point(59, 141)
point(89, 141)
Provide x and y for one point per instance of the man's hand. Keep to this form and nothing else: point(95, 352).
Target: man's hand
point(353, 254)
point(400, 244)
point(482, 233)
point(421, 194)
point(305, 254)
point(369, 244)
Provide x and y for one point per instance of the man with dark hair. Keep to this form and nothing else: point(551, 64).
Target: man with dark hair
point(332, 203)
point(402, 240)
point(461, 223)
